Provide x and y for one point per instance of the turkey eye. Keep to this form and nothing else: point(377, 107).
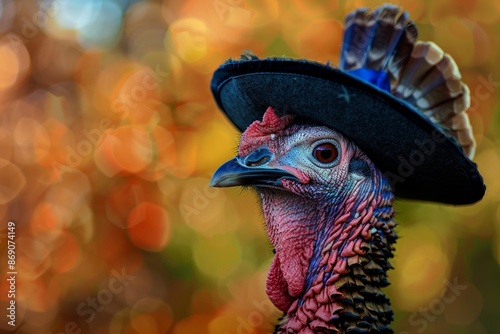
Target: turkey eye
point(325, 153)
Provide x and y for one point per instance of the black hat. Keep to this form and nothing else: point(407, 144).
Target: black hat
point(390, 106)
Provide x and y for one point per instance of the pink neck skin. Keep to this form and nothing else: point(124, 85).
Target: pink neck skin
point(317, 245)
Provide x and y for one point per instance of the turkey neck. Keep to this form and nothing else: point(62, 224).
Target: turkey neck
point(331, 259)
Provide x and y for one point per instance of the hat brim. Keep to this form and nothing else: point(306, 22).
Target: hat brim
point(420, 161)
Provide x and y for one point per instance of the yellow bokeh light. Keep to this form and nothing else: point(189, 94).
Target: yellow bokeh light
point(218, 256)
point(189, 39)
point(210, 156)
point(422, 265)
point(204, 209)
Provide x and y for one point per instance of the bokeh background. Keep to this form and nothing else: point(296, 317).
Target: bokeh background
point(108, 137)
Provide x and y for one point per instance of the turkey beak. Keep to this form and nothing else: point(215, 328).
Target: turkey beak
point(250, 171)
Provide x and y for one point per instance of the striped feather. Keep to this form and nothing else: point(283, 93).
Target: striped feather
point(420, 73)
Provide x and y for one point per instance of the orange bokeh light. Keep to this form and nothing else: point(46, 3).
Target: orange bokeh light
point(149, 226)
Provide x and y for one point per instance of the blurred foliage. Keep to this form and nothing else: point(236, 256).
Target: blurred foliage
point(108, 136)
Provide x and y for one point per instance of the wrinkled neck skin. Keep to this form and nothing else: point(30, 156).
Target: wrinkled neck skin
point(331, 257)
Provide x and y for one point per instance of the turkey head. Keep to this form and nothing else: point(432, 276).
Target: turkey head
point(328, 213)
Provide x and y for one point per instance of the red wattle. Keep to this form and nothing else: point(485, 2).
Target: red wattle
point(277, 287)
point(288, 272)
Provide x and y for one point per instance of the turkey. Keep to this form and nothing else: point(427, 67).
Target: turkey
point(328, 149)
